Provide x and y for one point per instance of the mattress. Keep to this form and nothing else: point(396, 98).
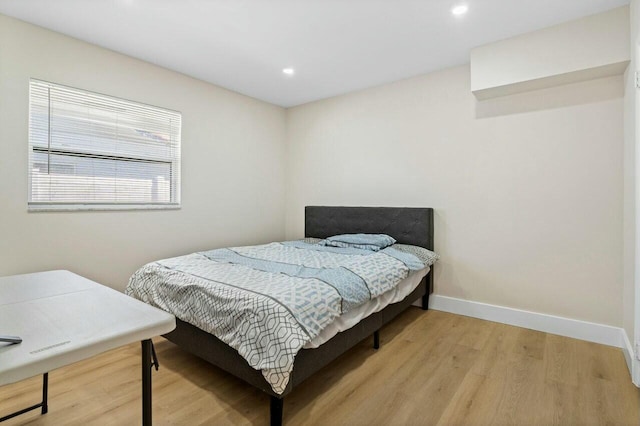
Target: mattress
point(354, 316)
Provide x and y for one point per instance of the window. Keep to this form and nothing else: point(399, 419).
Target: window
point(90, 151)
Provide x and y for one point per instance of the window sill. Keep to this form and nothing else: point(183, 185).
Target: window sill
point(78, 207)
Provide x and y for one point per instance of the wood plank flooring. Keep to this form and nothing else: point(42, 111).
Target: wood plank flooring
point(432, 368)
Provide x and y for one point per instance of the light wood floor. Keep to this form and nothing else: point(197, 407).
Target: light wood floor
point(432, 368)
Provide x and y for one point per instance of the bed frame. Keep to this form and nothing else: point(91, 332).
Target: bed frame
point(407, 225)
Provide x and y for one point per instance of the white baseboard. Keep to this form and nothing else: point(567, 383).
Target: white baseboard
point(583, 330)
point(632, 362)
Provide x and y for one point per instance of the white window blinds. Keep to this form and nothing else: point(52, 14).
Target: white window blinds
point(91, 151)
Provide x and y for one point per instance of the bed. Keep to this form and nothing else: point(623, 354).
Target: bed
point(408, 226)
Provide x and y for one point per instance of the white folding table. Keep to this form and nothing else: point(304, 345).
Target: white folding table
point(63, 318)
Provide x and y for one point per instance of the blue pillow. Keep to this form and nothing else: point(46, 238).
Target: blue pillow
point(369, 247)
point(373, 242)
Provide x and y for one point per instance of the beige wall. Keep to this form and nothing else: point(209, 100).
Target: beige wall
point(587, 48)
point(232, 156)
point(527, 189)
point(631, 177)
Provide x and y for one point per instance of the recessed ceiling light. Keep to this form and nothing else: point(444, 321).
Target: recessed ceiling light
point(288, 71)
point(460, 9)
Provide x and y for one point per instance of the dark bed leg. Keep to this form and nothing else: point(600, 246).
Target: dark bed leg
point(425, 298)
point(425, 302)
point(276, 411)
point(376, 339)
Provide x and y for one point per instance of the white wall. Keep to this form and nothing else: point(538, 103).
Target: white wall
point(527, 189)
point(233, 156)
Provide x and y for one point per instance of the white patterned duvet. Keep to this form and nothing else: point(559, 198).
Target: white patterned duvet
point(269, 301)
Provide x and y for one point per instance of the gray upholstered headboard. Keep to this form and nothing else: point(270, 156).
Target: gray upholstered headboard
point(408, 225)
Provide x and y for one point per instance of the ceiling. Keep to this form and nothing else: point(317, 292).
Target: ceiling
point(334, 46)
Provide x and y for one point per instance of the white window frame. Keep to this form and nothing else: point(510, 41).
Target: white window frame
point(175, 163)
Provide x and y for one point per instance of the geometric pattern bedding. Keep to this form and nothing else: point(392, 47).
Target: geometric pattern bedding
point(268, 301)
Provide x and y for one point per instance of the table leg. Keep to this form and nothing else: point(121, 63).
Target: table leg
point(146, 383)
point(45, 393)
point(43, 405)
